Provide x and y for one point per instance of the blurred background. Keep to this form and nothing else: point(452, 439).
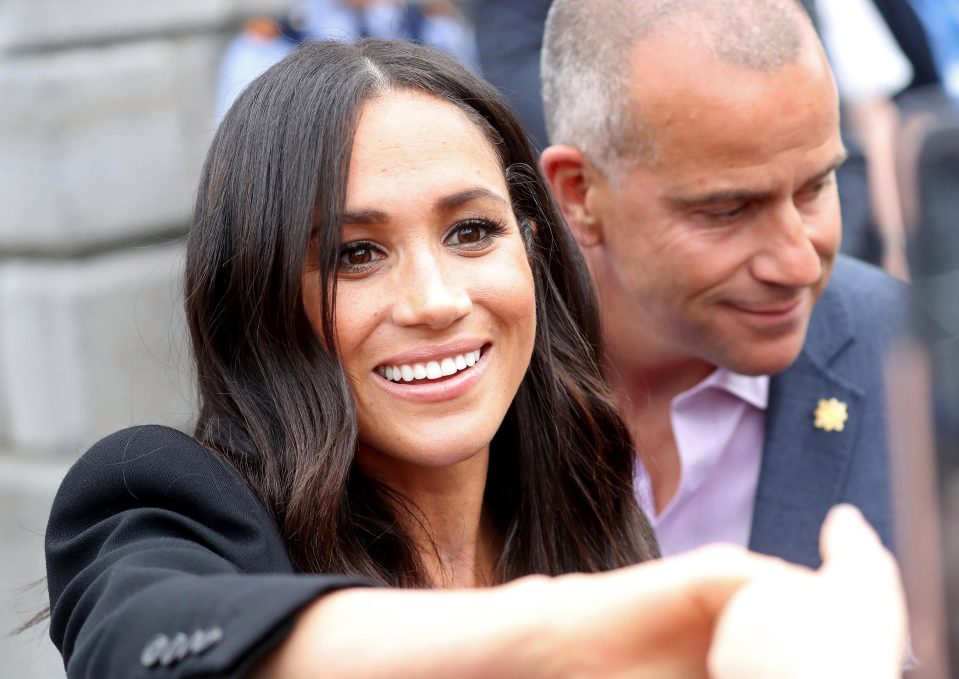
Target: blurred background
point(106, 110)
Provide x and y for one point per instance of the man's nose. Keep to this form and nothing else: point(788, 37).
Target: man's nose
point(430, 293)
point(787, 255)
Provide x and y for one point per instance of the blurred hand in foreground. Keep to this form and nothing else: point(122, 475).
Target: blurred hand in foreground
point(846, 620)
point(719, 612)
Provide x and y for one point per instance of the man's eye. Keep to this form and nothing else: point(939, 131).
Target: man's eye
point(730, 213)
point(817, 188)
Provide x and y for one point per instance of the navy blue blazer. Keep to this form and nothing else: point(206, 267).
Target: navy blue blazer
point(806, 470)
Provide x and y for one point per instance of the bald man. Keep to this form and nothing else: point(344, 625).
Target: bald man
point(694, 150)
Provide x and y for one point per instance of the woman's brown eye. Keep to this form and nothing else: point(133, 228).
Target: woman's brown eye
point(469, 234)
point(359, 256)
point(474, 234)
point(356, 257)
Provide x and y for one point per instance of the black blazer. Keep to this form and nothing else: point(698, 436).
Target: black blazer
point(161, 562)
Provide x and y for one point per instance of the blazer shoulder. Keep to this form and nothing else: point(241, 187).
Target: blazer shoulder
point(156, 467)
point(868, 292)
point(141, 445)
point(863, 302)
point(162, 562)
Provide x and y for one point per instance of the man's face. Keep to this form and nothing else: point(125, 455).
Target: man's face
point(717, 250)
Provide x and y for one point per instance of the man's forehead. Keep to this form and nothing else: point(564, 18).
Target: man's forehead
point(663, 62)
point(693, 105)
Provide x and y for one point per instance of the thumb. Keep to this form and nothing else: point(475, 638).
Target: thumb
point(864, 575)
point(846, 539)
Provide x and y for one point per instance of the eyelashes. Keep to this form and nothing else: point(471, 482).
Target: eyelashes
point(474, 232)
point(469, 236)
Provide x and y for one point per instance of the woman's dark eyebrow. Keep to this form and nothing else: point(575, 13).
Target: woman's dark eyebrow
point(365, 217)
point(454, 200)
point(444, 204)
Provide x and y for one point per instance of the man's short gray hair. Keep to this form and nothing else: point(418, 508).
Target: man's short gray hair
point(588, 87)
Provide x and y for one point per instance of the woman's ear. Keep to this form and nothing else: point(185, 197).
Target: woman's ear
point(567, 171)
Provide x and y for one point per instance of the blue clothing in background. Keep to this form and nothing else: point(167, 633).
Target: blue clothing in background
point(941, 20)
point(248, 55)
point(334, 20)
point(509, 37)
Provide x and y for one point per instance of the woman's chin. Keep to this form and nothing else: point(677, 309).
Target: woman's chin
point(426, 453)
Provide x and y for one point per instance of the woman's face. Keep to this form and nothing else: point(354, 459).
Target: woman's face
point(435, 308)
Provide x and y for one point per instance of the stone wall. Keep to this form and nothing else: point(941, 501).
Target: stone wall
point(107, 109)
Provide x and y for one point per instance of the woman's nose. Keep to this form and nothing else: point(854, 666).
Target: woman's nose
point(429, 293)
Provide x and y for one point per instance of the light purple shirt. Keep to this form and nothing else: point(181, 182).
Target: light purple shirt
point(719, 426)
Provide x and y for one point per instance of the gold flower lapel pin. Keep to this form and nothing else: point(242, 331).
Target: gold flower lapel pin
point(831, 415)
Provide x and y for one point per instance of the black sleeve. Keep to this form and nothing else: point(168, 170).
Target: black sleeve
point(162, 563)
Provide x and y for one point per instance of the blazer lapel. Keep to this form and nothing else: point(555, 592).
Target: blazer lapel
point(804, 467)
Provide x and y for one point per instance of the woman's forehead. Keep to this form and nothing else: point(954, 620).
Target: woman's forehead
point(411, 143)
point(414, 122)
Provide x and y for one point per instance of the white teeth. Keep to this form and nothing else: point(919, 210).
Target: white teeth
point(448, 366)
point(431, 370)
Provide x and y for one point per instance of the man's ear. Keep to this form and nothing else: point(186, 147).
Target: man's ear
point(570, 178)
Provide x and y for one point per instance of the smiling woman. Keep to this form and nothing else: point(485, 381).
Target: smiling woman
point(397, 362)
point(435, 305)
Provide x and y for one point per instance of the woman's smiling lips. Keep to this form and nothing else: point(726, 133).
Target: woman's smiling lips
point(434, 373)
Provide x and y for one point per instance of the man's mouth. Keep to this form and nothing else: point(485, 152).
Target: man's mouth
point(429, 371)
point(778, 310)
point(772, 309)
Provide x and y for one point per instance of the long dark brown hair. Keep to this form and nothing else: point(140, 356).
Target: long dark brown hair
point(274, 399)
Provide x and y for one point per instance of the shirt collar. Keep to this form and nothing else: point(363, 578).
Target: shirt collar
point(754, 390)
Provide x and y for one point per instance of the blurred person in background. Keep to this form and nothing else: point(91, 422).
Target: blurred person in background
point(907, 26)
point(941, 23)
point(264, 41)
point(509, 39)
point(870, 70)
point(437, 23)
